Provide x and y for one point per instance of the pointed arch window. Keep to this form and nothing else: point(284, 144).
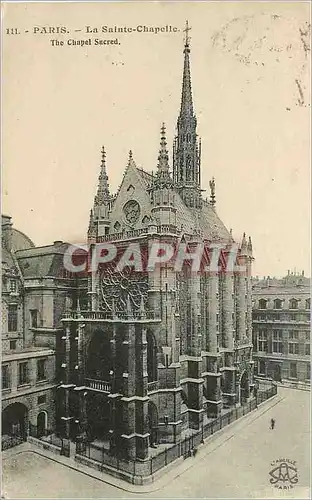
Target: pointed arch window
point(151, 357)
point(117, 226)
point(308, 304)
point(181, 169)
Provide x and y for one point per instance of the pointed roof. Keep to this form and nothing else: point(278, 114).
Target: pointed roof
point(102, 195)
point(249, 245)
point(186, 100)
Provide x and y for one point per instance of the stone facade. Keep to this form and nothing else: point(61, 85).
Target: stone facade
point(157, 352)
point(281, 328)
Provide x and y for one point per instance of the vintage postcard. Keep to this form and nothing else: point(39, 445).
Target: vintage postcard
point(155, 250)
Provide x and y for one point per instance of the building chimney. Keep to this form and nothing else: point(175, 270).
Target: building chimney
point(6, 226)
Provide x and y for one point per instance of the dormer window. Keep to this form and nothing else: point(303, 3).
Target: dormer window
point(293, 304)
point(277, 304)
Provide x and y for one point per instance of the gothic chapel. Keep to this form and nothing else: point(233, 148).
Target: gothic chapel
point(151, 355)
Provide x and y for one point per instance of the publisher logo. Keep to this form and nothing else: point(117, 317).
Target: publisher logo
point(283, 474)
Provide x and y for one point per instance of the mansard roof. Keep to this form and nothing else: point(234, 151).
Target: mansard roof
point(42, 261)
point(7, 259)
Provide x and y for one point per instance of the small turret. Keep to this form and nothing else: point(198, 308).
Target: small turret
point(102, 200)
point(91, 228)
point(162, 174)
point(162, 187)
point(103, 195)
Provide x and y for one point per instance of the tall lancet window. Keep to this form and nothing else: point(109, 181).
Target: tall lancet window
point(151, 357)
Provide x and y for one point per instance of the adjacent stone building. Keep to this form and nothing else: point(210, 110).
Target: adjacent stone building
point(34, 294)
point(154, 354)
point(281, 328)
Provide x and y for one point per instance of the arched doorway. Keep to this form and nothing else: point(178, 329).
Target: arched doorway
point(151, 357)
point(42, 423)
point(153, 423)
point(14, 421)
point(244, 387)
point(99, 356)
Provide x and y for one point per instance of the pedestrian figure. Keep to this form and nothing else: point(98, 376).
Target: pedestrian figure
point(272, 423)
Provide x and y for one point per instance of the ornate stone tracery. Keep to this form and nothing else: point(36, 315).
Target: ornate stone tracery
point(117, 288)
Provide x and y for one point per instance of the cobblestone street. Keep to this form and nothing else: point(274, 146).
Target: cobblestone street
point(235, 464)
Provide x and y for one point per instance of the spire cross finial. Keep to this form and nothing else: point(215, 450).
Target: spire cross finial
point(186, 30)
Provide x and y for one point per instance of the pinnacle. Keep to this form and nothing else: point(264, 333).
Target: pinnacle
point(244, 242)
point(103, 186)
point(163, 159)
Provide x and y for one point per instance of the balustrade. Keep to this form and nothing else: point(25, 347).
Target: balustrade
point(98, 385)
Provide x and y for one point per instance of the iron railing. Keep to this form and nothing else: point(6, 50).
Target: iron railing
point(48, 436)
point(11, 441)
point(185, 448)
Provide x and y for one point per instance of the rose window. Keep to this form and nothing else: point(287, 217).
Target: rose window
point(116, 288)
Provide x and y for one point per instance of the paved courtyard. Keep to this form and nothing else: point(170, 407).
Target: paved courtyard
point(235, 464)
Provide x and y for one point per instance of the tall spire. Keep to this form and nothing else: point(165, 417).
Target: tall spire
point(186, 150)
point(187, 101)
point(103, 187)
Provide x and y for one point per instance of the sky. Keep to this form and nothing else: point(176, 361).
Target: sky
point(250, 66)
